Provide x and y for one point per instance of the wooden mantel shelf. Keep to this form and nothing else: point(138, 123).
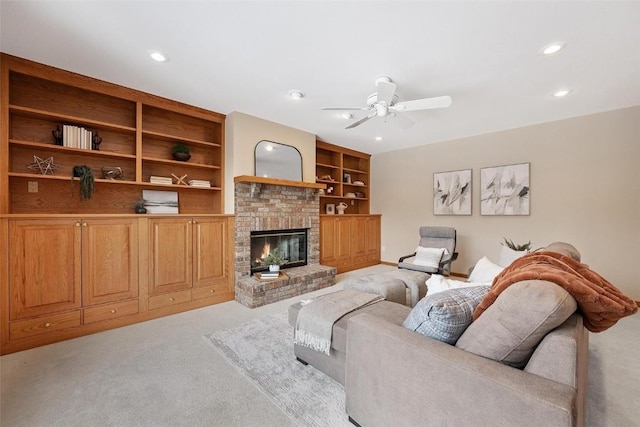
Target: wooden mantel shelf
point(274, 181)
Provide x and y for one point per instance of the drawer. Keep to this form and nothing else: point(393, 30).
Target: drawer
point(362, 259)
point(110, 311)
point(210, 291)
point(43, 325)
point(164, 300)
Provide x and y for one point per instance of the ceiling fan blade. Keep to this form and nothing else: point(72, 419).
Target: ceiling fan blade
point(362, 120)
point(403, 121)
point(345, 109)
point(386, 90)
point(423, 104)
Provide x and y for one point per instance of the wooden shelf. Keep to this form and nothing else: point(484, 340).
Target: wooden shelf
point(337, 161)
point(178, 163)
point(33, 112)
point(38, 145)
point(181, 139)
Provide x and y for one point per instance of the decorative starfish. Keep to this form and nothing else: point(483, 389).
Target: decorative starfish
point(44, 166)
point(180, 180)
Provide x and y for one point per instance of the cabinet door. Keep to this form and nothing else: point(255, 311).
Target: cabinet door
point(343, 244)
point(210, 251)
point(328, 233)
point(109, 260)
point(359, 240)
point(170, 255)
point(44, 269)
point(373, 240)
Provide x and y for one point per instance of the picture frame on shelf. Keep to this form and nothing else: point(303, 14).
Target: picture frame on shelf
point(505, 190)
point(346, 178)
point(330, 209)
point(452, 192)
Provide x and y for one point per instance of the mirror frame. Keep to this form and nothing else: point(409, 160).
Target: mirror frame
point(294, 163)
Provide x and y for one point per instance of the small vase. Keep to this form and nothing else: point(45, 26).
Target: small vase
point(274, 268)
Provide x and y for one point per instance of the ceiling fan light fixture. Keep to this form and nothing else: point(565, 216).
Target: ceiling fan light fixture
point(346, 116)
point(552, 48)
point(296, 94)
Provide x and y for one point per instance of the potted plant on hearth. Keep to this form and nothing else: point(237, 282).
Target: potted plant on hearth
point(180, 152)
point(274, 260)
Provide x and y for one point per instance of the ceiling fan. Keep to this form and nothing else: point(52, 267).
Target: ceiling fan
point(384, 103)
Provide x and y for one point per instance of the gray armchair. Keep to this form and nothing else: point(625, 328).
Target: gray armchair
point(433, 237)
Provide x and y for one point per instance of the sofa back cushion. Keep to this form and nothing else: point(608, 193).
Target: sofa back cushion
point(511, 328)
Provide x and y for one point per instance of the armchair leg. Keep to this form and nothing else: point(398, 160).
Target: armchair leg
point(301, 361)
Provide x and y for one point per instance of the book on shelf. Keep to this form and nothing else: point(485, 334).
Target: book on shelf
point(160, 180)
point(199, 183)
point(77, 137)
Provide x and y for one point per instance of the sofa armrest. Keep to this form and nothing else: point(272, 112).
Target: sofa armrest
point(395, 376)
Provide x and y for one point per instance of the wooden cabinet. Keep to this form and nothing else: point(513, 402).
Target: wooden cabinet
point(349, 242)
point(137, 132)
point(64, 265)
point(72, 267)
point(189, 259)
point(346, 175)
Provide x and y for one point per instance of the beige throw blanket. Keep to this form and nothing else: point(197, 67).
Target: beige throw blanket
point(314, 326)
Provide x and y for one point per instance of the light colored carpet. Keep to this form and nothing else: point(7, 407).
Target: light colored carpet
point(263, 351)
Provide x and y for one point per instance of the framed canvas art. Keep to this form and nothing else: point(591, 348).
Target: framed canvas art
point(505, 190)
point(452, 193)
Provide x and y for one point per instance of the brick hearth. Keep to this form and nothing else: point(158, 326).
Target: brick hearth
point(277, 206)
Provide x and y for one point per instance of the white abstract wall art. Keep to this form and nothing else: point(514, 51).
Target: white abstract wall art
point(505, 190)
point(452, 193)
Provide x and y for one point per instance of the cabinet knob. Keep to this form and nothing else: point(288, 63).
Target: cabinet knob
point(46, 325)
point(78, 224)
point(84, 224)
point(211, 291)
point(171, 299)
point(113, 311)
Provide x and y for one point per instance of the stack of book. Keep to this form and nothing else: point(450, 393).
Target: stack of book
point(77, 137)
point(269, 274)
point(199, 183)
point(160, 180)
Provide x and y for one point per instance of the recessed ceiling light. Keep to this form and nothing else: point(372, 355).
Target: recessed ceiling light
point(562, 93)
point(296, 94)
point(159, 57)
point(346, 116)
point(378, 138)
point(552, 48)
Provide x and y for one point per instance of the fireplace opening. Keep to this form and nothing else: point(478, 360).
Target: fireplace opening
point(292, 243)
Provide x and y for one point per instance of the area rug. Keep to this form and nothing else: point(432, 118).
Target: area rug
point(262, 350)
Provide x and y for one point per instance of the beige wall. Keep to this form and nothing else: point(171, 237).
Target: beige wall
point(585, 190)
point(243, 132)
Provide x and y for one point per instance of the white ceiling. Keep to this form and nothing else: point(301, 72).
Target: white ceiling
point(246, 56)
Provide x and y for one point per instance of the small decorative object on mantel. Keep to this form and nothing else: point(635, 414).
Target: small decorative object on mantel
point(44, 166)
point(180, 152)
point(180, 180)
point(57, 135)
point(86, 180)
point(112, 172)
point(140, 209)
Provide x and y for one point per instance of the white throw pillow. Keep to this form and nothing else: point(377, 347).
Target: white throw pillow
point(437, 283)
point(508, 255)
point(429, 257)
point(485, 271)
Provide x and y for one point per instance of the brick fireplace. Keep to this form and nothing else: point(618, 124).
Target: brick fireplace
point(263, 204)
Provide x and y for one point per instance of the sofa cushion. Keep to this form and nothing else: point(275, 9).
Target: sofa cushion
point(484, 271)
point(445, 315)
point(429, 257)
point(438, 283)
point(508, 255)
point(510, 329)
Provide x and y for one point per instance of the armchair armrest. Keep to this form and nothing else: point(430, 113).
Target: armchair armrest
point(395, 376)
point(402, 258)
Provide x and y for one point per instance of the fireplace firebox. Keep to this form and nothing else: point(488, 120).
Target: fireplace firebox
point(292, 243)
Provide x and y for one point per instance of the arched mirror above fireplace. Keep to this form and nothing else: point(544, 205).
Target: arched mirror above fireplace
point(275, 160)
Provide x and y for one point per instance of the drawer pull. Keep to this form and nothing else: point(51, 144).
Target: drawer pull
point(113, 311)
point(171, 299)
point(46, 325)
point(212, 291)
